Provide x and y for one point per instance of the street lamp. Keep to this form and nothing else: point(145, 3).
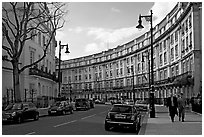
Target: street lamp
point(59, 73)
point(132, 69)
point(151, 97)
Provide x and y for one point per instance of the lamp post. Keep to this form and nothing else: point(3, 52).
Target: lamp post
point(151, 94)
point(59, 72)
point(132, 69)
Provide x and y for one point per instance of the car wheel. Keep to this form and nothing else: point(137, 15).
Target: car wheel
point(36, 117)
point(71, 111)
point(135, 128)
point(19, 120)
point(63, 112)
point(107, 127)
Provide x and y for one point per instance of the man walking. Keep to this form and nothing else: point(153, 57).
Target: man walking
point(172, 104)
point(181, 106)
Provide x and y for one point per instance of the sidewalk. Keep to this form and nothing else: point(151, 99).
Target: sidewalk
point(162, 125)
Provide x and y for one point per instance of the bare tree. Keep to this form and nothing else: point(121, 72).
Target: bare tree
point(21, 21)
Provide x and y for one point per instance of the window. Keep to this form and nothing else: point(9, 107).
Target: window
point(165, 58)
point(160, 60)
point(121, 82)
point(187, 65)
point(121, 71)
point(161, 75)
point(189, 22)
point(186, 43)
point(165, 41)
point(154, 60)
point(160, 47)
point(117, 72)
point(177, 70)
point(172, 71)
point(176, 36)
point(165, 73)
point(138, 67)
point(131, 59)
point(138, 57)
point(172, 53)
point(182, 29)
point(187, 25)
point(176, 51)
point(111, 74)
point(183, 46)
point(139, 80)
point(184, 65)
point(190, 37)
point(128, 61)
point(32, 56)
point(121, 63)
point(172, 39)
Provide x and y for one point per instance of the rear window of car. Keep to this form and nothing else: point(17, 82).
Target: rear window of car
point(82, 99)
point(122, 109)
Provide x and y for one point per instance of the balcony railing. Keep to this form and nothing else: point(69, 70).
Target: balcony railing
point(38, 72)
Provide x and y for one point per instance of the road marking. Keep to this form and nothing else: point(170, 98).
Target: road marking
point(30, 133)
point(88, 116)
point(65, 123)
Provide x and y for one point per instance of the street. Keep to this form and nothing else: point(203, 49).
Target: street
point(89, 122)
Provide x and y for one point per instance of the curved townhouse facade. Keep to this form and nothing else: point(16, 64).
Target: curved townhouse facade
point(124, 71)
point(38, 83)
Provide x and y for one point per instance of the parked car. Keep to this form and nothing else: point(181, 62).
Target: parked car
point(82, 103)
point(123, 115)
point(18, 112)
point(92, 104)
point(128, 101)
point(142, 105)
point(97, 101)
point(60, 107)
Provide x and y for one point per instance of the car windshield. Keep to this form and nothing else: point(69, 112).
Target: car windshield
point(57, 104)
point(141, 102)
point(122, 109)
point(14, 107)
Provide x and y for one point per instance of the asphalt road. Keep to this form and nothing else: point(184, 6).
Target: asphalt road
point(89, 122)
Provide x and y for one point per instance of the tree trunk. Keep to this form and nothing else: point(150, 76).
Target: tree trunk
point(16, 82)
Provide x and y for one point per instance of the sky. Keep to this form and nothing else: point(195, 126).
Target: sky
point(93, 27)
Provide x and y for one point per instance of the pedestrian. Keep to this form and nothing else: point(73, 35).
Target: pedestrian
point(172, 104)
point(181, 106)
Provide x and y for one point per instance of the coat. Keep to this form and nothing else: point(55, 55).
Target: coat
point(172, 109)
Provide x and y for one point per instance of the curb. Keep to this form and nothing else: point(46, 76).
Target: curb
point(144, 124)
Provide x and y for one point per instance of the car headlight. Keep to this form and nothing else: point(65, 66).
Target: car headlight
point(108, 115)
point(59, 108)
point(13, 114)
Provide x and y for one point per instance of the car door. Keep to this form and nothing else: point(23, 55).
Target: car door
point(26, 111)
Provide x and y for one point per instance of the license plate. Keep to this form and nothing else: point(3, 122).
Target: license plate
point(53, 111)
point(120, 116)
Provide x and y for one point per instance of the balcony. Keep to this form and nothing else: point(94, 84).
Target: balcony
point(38, 72)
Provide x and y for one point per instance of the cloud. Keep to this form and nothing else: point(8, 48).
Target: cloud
point(112, 35)
point(91, 48)
point(115, 10)
point(160, 10)
point(76, 29)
